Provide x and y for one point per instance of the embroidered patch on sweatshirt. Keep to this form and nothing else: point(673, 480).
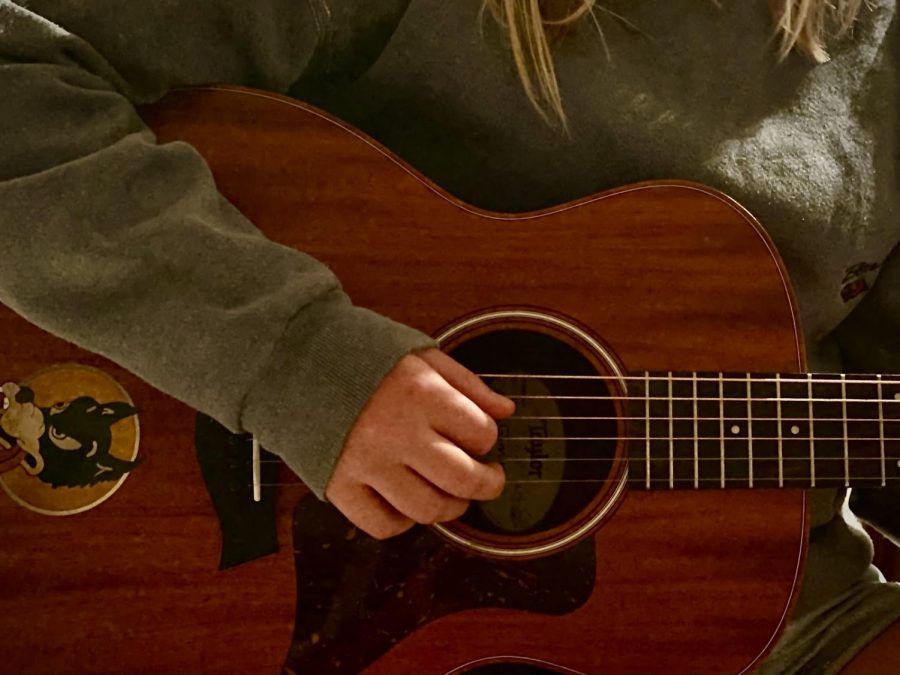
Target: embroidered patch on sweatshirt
point(857, 280)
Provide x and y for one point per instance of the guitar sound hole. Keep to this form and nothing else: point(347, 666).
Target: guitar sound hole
point(510, 669)
point(558, 447)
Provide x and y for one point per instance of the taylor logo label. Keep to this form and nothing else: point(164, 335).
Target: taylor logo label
point(69, 437)
point(530, 447)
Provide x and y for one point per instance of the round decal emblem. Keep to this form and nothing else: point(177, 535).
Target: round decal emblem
point(69, 437)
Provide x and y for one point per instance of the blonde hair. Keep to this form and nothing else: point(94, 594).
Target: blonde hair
point(533, 27)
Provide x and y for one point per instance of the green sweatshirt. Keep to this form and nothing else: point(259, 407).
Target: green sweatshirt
point(125, 247)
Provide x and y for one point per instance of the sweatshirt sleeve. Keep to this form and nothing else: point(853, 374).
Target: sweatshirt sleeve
point(869, 340)
point(125, 247)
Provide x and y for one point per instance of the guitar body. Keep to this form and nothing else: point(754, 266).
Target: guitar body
point(667, 276)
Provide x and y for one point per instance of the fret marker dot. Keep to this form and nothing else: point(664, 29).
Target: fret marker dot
point(735, 429)
point(795, 430)
point(897, 396)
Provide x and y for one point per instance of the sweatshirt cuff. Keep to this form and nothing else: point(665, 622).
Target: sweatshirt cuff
point(323, 370)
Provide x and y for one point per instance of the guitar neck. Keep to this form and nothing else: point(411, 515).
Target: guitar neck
point(762, 430)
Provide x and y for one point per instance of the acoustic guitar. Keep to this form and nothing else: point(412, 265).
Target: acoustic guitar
point(654, 518)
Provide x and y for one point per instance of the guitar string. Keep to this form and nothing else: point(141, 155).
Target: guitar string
point(839, 481)
point(730, 378)
point(691, 418)
point(734, 437)
point(643, 458)
point(644, 438)
point(741, 399)
point(672, 378)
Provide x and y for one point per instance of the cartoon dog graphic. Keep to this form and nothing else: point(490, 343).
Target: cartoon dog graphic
point(22, 424)
point(67, 444)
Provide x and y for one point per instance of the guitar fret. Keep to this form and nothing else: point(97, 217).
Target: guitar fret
point(696, 434)
point(722, 430)
point(846, 441)
point(736, 413)
point(749, 433)
point(794, 405)
point(780, 432)
point(707, 406)
point(863, 425)
point(812, 441)
point(889, 401)
point(661, 470)
point(647, 424)
point(764, 431)
point(881, 432)
point(671, 438)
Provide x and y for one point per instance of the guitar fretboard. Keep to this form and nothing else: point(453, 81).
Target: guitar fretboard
point(763, 430)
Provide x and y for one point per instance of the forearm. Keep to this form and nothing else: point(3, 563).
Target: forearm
point(126, 248)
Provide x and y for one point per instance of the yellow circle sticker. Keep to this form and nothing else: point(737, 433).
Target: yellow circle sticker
point(69, 437)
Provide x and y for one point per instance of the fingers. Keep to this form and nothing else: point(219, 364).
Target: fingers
point(453, 471)
point(461, 421)
point(468, 383)
point(416, 498)
point(436, 413)
point(367, 510)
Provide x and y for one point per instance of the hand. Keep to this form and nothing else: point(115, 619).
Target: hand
point(409, 457)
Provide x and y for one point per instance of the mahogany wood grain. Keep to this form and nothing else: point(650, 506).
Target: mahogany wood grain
point(670, 275)
point(133, 585)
